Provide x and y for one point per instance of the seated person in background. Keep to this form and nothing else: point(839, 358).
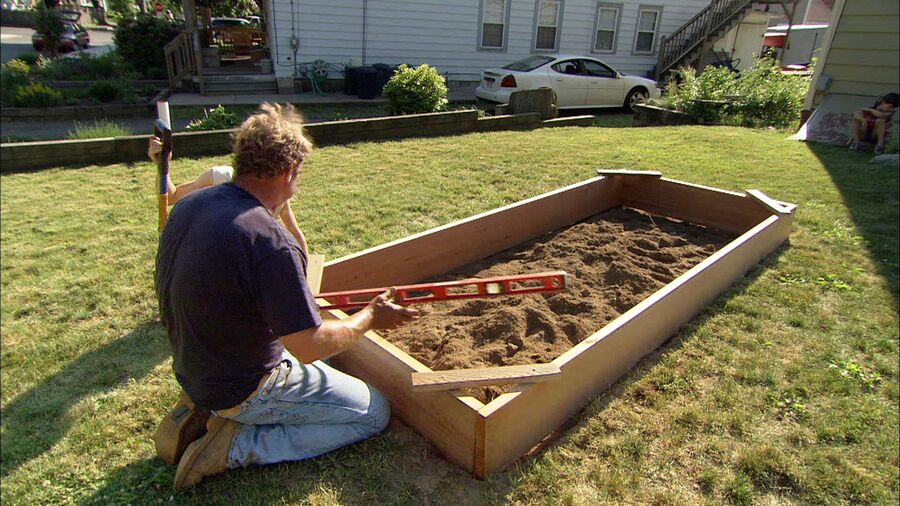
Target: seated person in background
point(871, 123)
point(220, 174)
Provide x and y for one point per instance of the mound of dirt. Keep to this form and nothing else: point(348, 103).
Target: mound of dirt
point(614, 260)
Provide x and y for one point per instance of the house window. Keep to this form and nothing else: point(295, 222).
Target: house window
point(607, 27)
point(547, 32)
point(648, 25)
point(493, 24)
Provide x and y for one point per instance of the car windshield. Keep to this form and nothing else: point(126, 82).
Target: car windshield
point(530, 63)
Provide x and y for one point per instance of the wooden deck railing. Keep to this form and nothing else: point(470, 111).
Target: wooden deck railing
point(691, 35)
point(180, 61)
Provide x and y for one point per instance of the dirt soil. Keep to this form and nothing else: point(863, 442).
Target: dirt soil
point(614, 260)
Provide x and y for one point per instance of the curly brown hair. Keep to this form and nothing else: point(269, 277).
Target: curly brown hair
point(270, 142)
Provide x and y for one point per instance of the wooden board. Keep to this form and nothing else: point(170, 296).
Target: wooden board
point(513, 425)
point(446, 420)
point(729, 211)
point(467, 378)
point(315, 266)
point(445, 248)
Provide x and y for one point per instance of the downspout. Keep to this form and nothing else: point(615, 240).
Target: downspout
point(364, 23)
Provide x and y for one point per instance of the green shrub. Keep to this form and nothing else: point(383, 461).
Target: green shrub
point(759, 96)
point(85, 67)
point(29, 58)
point(100, 129)
point(37, 95)
point(140, 42)
point(214, 119)
point(768, 97)
point(104, 91)
point(13, 75)
point(416, 90)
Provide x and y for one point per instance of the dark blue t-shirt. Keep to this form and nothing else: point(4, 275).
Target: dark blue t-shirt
point(230, 281)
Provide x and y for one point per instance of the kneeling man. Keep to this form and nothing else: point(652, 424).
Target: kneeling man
point(246, 335)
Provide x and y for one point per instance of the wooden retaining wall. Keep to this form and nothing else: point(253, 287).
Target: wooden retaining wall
point(25, 156)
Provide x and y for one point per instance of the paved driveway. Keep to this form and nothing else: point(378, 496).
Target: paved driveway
point(15, 41)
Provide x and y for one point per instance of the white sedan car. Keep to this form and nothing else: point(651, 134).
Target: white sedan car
point(579, 81)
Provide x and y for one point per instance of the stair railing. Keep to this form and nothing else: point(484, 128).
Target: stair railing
point(180, 63)
point(681, 42)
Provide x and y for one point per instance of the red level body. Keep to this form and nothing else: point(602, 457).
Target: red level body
point(452, 290)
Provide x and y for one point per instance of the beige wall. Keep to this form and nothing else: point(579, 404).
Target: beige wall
point(864, 55)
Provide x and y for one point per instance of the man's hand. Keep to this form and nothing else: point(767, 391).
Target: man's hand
point(154, 149)
point(387, 315)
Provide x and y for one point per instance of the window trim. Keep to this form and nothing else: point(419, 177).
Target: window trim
point(619, 8)
point(480, 32)
point(537, 17)
point(637, 24)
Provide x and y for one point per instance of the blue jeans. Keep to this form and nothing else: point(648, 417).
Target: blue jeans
point(302, 411)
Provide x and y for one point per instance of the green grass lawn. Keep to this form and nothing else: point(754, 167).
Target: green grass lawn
point(783, 391)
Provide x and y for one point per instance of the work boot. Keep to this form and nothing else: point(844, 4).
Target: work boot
point(208, 455)
point(184, 424)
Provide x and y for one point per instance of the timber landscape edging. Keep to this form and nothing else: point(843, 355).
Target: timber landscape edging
point(26, 156)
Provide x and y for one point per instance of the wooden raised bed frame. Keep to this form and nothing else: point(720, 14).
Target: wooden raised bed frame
point(486, 438)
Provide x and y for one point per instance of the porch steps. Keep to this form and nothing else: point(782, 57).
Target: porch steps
point(240, 84)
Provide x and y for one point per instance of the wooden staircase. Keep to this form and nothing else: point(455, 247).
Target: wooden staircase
point(685, 45)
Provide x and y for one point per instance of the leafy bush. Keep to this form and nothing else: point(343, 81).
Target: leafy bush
point(29, 58)
point(86, 67)
point(37, 95)
point(702, 96)
point(141, 40)
point(104, 91)
point(769, 97)
point(416, 90)
point(759, 96)
point(213, 119)
point(100, 129)
point(13, 75)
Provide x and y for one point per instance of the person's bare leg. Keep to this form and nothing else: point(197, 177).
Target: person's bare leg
point(290, 223)
point(182, 190)
point(857, 130)
point(880, 132)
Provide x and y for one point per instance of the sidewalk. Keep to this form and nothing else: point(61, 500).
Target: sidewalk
point(461, 95)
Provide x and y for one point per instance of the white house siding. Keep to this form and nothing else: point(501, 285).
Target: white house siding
point(445, 34)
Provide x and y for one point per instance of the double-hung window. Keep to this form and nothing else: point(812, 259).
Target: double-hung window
point(647, 28)
point(493, 24)
point(607, 28)
point(546, 34)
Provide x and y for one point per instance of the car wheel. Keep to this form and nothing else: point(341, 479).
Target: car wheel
point(635, 97)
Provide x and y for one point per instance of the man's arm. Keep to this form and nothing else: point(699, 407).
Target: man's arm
point(335, 336)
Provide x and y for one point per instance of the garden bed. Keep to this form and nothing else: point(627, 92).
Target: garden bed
point(614, 259)
point(486, 438)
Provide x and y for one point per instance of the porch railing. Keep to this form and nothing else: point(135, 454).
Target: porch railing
point(180, 61)
point(674, 48)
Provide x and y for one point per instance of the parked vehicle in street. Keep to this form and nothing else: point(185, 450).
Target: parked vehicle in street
point(73, 37)
point(579, 82)
point(222, 22)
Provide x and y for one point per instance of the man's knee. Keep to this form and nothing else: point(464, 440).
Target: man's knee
point(379, 411)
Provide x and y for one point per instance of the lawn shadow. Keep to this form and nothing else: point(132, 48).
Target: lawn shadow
point(37, 419)
point(872, 197)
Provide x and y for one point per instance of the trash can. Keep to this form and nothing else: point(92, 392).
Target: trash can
point(366, 83)
point(383, 73)
point(351, 80)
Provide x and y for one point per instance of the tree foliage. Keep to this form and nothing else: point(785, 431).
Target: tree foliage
point(141, 42)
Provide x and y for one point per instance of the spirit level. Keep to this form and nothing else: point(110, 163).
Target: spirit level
point(554, 281)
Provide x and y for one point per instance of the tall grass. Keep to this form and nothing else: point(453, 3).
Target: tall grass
point(100, 128)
